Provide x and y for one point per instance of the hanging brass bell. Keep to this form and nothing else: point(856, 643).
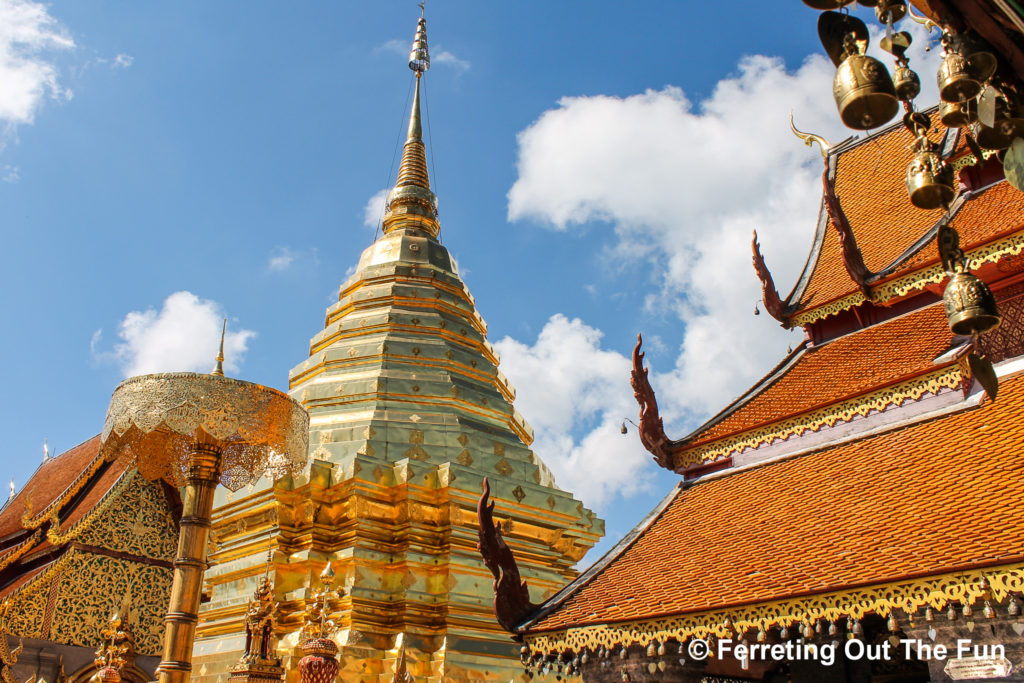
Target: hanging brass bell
point(897, 9)
point(864, 93)
point(929, 180)
point(956, 80)
point(970, 307)
point(906, 83)
point(1007, 125)
point(958, 114)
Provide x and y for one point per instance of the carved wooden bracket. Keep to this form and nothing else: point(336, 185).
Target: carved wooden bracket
point(512, 603)
point(769, 294)
point(853, 259)
point(651, 428)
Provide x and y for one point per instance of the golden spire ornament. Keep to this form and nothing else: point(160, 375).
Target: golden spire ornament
point(218, 369)
point(411, 204)
point(258, 663)
point(319, 665)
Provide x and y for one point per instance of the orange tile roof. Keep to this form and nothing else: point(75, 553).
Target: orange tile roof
point(854, 364)
point(870, 183)
point(930, 498)
point(47, 483)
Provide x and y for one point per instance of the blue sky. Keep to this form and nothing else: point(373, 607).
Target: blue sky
point(600, 166)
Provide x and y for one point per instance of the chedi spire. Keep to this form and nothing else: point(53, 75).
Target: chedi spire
point(411, 204)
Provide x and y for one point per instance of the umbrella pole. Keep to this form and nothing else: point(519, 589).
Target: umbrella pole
point(203, 472)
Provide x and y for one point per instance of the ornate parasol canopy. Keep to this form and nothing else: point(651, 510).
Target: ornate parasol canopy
point(154, 420)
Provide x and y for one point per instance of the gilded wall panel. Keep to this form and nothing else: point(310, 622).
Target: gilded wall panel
point(93, 587)
point(133, 518)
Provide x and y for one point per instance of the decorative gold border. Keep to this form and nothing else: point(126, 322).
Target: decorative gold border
point(949, 377)
point(917, 280)
point(907, 595)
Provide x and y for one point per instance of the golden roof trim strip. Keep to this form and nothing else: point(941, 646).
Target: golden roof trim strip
point(992, 252)
point(948, 377)
point(909, 595)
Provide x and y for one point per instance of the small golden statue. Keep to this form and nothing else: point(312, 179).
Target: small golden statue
point(258, 663)
point(112, 655)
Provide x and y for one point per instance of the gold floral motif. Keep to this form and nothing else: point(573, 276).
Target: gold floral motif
point(131, 518)
point(910, 596)
point(947, 378)
point(917, 280)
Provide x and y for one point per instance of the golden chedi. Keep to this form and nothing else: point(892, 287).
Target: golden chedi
point(408, 414)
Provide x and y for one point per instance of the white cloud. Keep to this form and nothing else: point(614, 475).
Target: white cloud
point(682, 186)
point(566, 385)
point(373, 212)
point(29, 40)
point(281, 258)
point(182, 336)
point(123, 61)
point(10, 174)
point(448, 59)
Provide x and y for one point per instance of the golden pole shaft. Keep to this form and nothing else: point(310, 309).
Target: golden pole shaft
point(190, 564)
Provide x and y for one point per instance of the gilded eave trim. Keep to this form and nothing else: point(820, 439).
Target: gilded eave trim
point(948, 377)
point(908, 594)
point(881, 293)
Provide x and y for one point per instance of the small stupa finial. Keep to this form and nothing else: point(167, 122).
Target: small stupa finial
point(219, 368)
point(411, 204)
point(9, 497)
point(46, 450)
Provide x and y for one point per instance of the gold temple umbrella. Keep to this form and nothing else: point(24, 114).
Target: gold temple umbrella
point(195, 431)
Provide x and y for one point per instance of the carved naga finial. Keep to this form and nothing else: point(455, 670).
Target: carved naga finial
point(769, 294)
point(810, 138)
point(512, 603)
point(853, 259)
point(651, 428)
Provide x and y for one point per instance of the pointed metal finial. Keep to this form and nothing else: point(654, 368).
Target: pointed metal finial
point(810, 138)
point(219, 368)
point(419, 56)
point(327, 575)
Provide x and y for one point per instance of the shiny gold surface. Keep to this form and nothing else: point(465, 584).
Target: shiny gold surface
point(154, 420)
point(194, 431)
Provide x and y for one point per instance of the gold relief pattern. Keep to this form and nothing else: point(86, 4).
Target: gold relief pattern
point(93, 588)
point(26, 614)
point(504, 467)
point(918, 280)
point(15, 553)
point(947, 378)
point(133, 518)
point(909, 596)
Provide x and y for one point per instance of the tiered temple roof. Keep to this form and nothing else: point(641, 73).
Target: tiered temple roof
point(865, 482)
point(81, 540)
